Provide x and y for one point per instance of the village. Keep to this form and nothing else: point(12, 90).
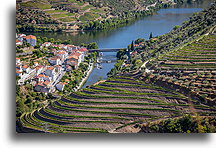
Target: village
point(45, 77)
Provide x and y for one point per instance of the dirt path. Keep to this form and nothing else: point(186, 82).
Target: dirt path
point(144, 66)
point(152, 5)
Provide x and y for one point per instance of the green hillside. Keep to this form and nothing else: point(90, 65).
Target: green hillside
point(39, 15)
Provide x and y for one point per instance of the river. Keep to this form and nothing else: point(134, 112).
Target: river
point(160, 23)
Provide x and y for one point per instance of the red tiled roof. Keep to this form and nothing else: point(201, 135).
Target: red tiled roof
point(50, 68)
point(154, 39)
point(62, 83)
point(134, 53)
point(30, 37)
point(83, 49)
point(61, 52)
point(71, 46)
point(21, 35)
point(67, 80)
point(47, 82)
point(40, 83)
point(25, 66)
point(74, 55)
point(72, 61)
point(18, 41)
point(39, 67)
point(41, 75)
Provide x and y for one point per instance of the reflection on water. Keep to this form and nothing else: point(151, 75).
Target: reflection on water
point(160, 23)
point(97, 73)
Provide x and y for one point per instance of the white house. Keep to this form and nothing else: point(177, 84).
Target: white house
point(46, 44)
point(42, 86)
point(42, 77)
point(50, 71)
point(18, 61)
point(83, 50)
point(71, 48)
point(68, 68)
point(60, 86)
point(39, 69)
point(62, 54)
point(58, 69)
point(18, 73)
point(21, 36)
point(73, 63)
point(35, 64)
point(26, 68)
point(79, 57)
point(18, 42)
point(55, 61)
point(19, 68)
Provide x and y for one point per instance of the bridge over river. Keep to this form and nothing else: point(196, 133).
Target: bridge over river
point(105, 49)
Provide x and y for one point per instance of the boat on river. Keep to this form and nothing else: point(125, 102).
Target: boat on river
point(100, 54)
point(99, 66)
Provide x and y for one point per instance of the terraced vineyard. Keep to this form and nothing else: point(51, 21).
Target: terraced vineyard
point(73, 11)
point(58, 15)
point(192, 67)
point(112, 106)
point(67, 11)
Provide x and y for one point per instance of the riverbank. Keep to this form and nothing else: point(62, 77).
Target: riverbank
point(86, 77)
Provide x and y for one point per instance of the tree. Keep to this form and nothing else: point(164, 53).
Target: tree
point(176, 27)
point(52, 40)
point(120, 53)
point(66, 42)
point(132, 46)
point(26, 44)
point(38, 53)
point(44, 39)
point(83, 66)
point(83, 45)
point(92, 45)
point(150, 36)
point(139, 40)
